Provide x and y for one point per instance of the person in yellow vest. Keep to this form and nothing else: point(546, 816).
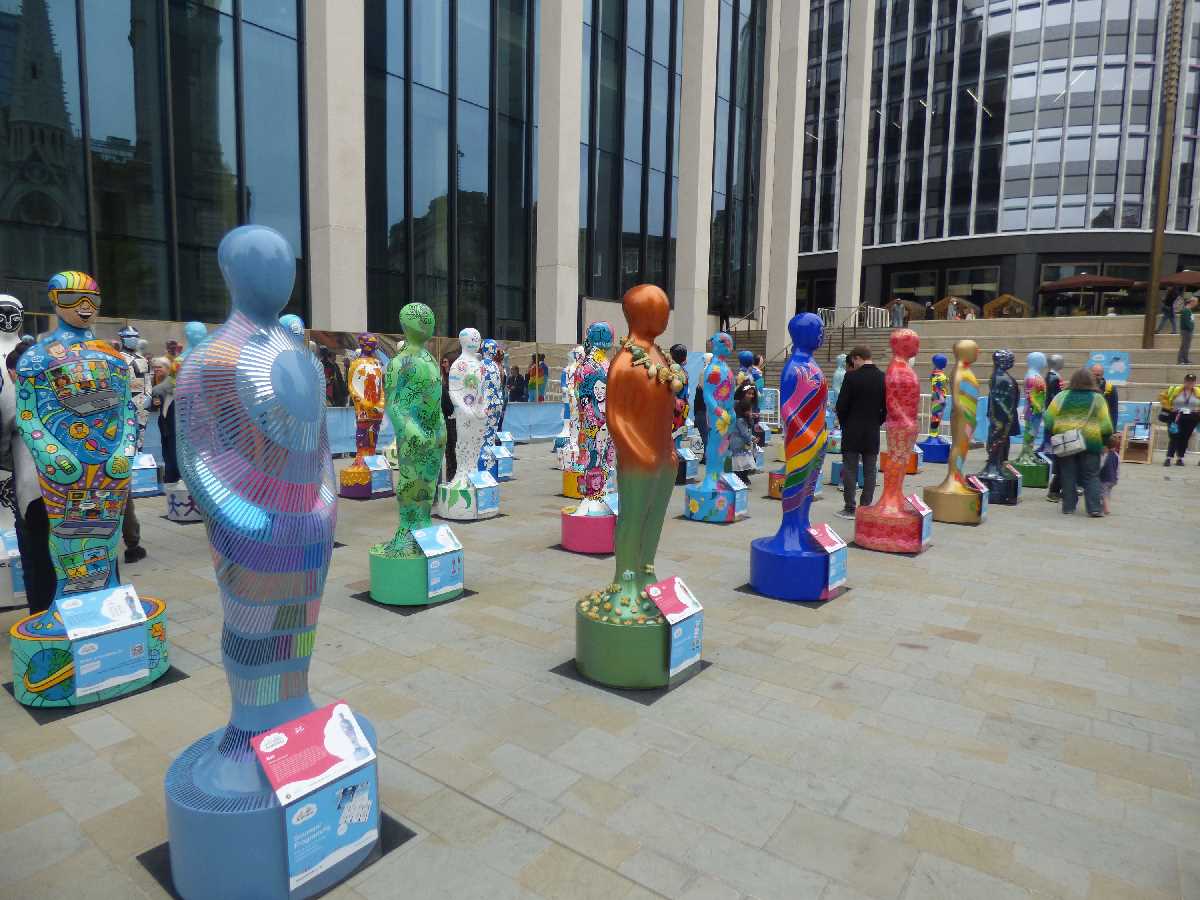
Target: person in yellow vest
point(1180, 412)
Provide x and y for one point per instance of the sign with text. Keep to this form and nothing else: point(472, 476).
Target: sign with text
point(504, 461)
point(97, 612)
point(983, 496)
point(381, 474)
point(310, 752)
point(741, 495)
point(922, 509)
point(487, 492)
point(331, 824)
point(1115, 363)
point(108, 635)
point(835, 548)
point(143, 476)
point(685, 615)
point(1012, 470)
point(444, 557)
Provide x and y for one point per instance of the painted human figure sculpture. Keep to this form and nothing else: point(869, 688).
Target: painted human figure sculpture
point(1035, 406)
point(891, 524)
point(1053, 386)
point(597, 456)
point(938, 384)
point(834, 442)
point(255, 454)
point(75, 414)
point(365, 383)
point(791, 565)
point(717, 381)
point(568, 453)
point(679, 355)
point(493, 399)
point(12, 314)
point(294, 324)
point(1003, 396)
point(641, 387)
point(413, 387)
point(956, 500)
point(470, 404)
point(749, 372)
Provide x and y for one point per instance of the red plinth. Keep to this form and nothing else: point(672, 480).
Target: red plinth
point(587, 534)
point(889, 530)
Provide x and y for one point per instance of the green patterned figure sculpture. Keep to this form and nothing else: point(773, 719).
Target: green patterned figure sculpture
point(422, 563)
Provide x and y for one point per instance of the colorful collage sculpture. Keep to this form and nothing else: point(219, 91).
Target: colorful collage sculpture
point(77, 419)
point(590, 526)
point(960, 500)
point(493, 404)
point(797, 562)
point(566, 445)
point(721, 496)
point(1035, 471)
point(1001, 479)
point(419, 564)
point(471, 494)
point(254, 450)
point(935, 447)
point(365, 383)
point(621, 634)
point(896, 524)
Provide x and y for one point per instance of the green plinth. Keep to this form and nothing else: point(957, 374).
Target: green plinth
point(621, 656)
point(1033, 475)
point(403, 581)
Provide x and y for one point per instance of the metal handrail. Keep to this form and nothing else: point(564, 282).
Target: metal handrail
point(748, 317)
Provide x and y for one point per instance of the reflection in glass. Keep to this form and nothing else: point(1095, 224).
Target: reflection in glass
point(387, 231)
point(431, 185)
point(472, 175)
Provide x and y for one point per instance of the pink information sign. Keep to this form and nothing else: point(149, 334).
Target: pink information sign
point(308, 753)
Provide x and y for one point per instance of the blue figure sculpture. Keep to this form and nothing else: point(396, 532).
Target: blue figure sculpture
point(749, 372)
point(713, 500)
point(293, 323)
point(254, 451)
point(194, 334)
point(935, 447)
point(493, 394)
point(793, 565)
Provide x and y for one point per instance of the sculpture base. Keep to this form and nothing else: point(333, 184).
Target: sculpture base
point(890, 531)
point(1002, 489)
point(357, 491)
point(404, 581)
point(461, 504)
point(181, 507)
point(936, 449)
point(721, 504)
point(1033, 475)
point(587, 534)
point(622, 656)
point(43, 668)
point(570, 484)
point(955, 508)
point(835, 473)
point(796, 575)
point(232, 843)
point(688, 470)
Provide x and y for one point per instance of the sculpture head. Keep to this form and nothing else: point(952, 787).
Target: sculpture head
point(368, 343)
point(416, 321)
point(1056, 362)
point(76, 297)
point(470, 340)
point(841, 360)
point(966, 351)
point(722, 345)
point(489, 347)
point(807, 332)
point(679, 353)
point(142, 345)
point(599, 337)
point(647, 311)
point(193, 334)
point(905, 343)
point(745, 359)
point(12, 313)
point(130, 338)
point(1003, 360)
point(1035, 361)
point(939, 361)
point(260, 269)
point(293, 323)
point(576, 354)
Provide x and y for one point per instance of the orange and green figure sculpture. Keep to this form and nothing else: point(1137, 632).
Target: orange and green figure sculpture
point(956, 500)
point(621, 639)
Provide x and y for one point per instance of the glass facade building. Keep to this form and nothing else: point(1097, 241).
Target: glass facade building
point(450, 136)
point(135, 133)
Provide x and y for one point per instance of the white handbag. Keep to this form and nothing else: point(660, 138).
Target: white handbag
point(1067, 443)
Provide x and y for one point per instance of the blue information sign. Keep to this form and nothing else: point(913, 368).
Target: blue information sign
point(687, 636)
point(330, 824)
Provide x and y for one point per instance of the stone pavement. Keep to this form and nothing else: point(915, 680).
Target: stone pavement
point(1014, 713)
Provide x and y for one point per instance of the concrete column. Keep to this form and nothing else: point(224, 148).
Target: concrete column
point(560, 57)
point(337, 175)
point(697, 112)
point(855, 129)
point(787, 41)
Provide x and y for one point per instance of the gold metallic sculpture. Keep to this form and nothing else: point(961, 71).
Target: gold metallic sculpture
point(956, 500)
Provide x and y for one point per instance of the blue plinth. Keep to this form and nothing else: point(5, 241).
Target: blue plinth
point(835, 473)
point(936, 449)
point(788, 574)
point(724, 503)
point(229, 844)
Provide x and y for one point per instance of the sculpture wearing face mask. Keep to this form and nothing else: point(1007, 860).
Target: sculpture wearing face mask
point(459, 498)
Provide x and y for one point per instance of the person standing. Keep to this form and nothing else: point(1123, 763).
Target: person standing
point(1187, 326)
point(1108, 391)
point(1166, 311)
point(726, 311)
point(163, 396)
point(1081, 408)
point(897, 312)
point(451, 424)
point(861, 411)
point(1181, 411)
point(929, 312)
point(516, 386)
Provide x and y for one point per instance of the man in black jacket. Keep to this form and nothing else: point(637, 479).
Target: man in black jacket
point(861, 409)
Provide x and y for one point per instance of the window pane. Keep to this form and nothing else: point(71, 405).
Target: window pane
point(387, 233)
point(202, 98)
point(635, 93)
point(631, 226)
point(128, 162)
point(431, 45)
point(472, 172)
point(474, 60)
point(278, 15)
point(658, 118)
point(430, 188)
point(508, 194)
point(510, 36)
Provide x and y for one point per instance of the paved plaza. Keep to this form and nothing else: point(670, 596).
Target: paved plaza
point(1015, 713)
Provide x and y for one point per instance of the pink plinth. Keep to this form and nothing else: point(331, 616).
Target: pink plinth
point(587, 534)
point(892, 531)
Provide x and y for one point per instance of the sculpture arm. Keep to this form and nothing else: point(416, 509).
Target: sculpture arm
point(61, 466)
point(623, 411)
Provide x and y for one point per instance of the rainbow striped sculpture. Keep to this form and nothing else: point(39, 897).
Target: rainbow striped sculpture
point(792, 565)
point(956, 500)
point(254, 451)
